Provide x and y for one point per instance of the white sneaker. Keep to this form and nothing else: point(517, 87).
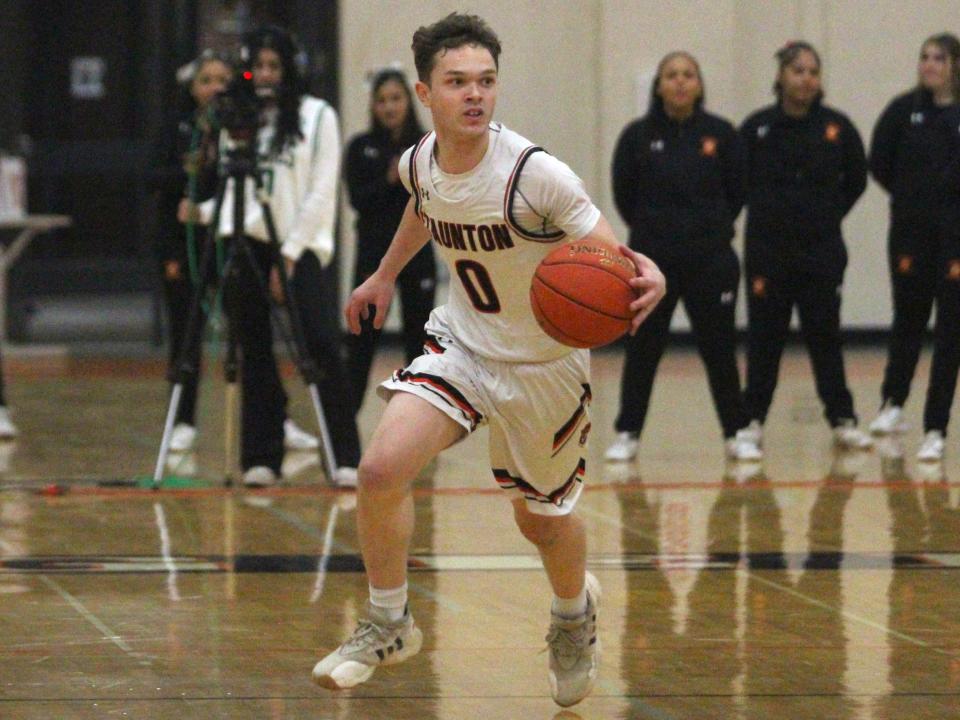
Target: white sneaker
point(575, 651)
point(182, 438)
point(180, 463)
point(345, 477)
point(7, 429)
point(375, 642)
point(259, 476)
point(624, 448)
point(752, 433)
point(743, 446)
point(888, 421)
point(296, 438)
point(848, 435)
point(931, 449)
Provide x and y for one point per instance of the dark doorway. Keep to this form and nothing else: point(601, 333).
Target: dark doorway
point(91, 84)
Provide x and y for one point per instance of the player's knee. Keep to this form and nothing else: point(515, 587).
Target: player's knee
point(375, 476)
point(538, 529)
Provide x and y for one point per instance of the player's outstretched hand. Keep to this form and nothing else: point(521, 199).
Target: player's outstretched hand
point(649, 283)
point(375, 290)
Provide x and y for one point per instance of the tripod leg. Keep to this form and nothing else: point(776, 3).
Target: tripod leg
point(230, 411)
point(193, 334)
point(167, 432)
point(326, 445)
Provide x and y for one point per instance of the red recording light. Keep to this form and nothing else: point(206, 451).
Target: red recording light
point(247, 75)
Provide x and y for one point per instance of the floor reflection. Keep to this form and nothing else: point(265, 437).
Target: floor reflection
point(925, 518)
point(733, 633)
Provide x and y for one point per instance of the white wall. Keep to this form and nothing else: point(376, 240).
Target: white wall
point(574, 73)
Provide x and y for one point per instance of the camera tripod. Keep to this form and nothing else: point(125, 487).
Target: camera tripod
point(241, 164)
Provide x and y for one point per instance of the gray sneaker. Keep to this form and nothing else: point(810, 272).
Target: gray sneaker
point(375, 642)
point(575, 651)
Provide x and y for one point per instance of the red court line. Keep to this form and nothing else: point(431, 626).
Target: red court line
point(88, 492)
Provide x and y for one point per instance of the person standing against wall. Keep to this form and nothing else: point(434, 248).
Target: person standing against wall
point(185, 171)
point(298, 150)
point(678, 182)
point(806, 168)
point(372, 174)
point(907, 155)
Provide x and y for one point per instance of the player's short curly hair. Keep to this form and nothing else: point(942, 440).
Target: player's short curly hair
point(455, 30)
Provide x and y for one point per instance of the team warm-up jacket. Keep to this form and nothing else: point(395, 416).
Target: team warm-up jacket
point(803, 176)
point(950, 183)
point(907, 150)
point(679, 185)
point(908, 154)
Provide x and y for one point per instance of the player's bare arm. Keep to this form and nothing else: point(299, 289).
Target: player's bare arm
point(649, 283)
point(377, 290)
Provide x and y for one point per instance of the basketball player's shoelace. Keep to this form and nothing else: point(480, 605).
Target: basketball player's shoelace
point(566, 639)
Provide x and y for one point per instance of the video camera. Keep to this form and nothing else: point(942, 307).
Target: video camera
point(238, 108)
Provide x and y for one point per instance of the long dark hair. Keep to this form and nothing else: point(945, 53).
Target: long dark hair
point(786, 55)
point(656, 102)
point(950, 45)
point(411, 130)
point(292, 85)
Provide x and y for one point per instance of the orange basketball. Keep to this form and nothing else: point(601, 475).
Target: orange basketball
point(581, 295)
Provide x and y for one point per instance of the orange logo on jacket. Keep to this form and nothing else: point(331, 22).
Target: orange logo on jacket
point(758, 286)
point(832, 132)
point(953, 270)
point(904, 264)
point(708, 146)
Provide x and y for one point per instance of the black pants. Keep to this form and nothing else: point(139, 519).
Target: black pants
point(914, 279)
point(709, 294)
point(263, 408)
point(417, 286)
point(946, 355)
point(770, 305)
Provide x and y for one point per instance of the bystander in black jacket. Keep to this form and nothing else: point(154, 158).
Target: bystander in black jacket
point(804, 176)
point(184, 165)
point(908, 153)
point(946, 335)
point(678, 184)
point(380, 199)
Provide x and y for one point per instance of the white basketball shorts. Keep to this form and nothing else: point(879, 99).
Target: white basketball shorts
point(537, 413)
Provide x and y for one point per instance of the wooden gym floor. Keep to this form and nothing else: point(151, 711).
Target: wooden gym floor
point(821, 586)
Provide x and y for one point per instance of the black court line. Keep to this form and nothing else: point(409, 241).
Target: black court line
point(400, 698)
point(352, 563)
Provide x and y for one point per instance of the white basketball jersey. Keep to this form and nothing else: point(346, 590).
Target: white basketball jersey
point(492, 226)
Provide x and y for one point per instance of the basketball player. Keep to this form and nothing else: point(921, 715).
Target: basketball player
point(494, 204)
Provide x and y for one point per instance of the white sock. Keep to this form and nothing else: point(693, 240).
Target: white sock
point(392, 601)
point(570, 608)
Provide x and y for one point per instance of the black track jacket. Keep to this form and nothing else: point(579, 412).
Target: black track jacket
point(679, 185)
point(803, 176)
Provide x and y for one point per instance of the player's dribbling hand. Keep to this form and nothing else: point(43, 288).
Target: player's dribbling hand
point(376, 291)
point(650, 285)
